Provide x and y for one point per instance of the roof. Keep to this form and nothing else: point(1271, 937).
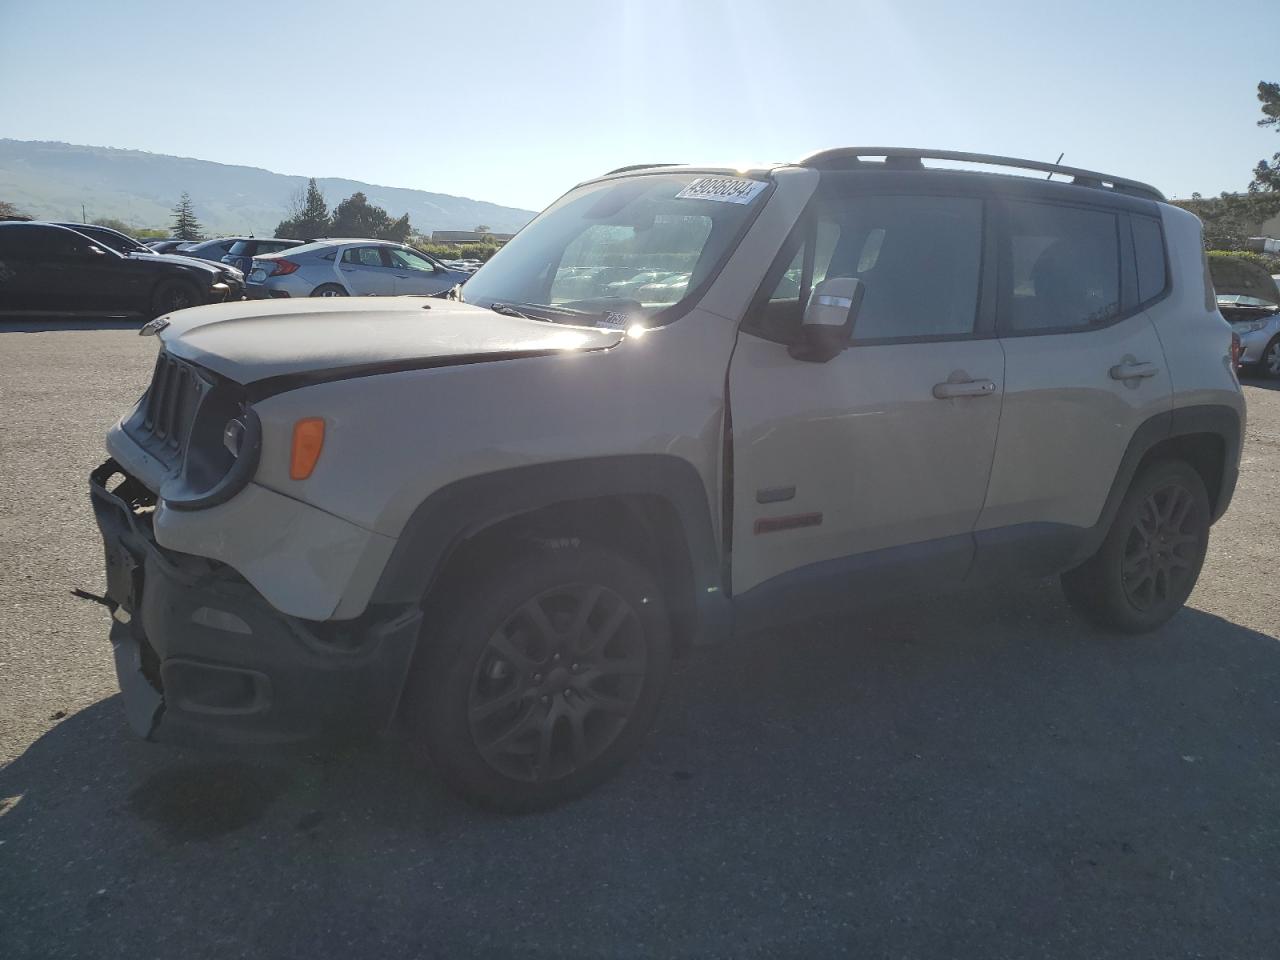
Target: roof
point(910, 158)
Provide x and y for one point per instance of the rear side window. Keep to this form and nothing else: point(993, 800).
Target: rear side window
point(242, 248)
point(1148, 250)
point(1064, 268)
point(11, 241)
point(363, 256)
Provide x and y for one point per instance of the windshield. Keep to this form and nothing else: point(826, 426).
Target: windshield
point(623, 251)
point(117, 242)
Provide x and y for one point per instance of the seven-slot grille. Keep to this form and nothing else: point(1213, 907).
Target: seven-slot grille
point(169, 406)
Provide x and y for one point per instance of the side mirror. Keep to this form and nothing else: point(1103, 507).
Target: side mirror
point(93, 251)
point(829, 316)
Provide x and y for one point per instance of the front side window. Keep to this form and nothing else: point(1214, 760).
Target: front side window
point(408, 260)
point(1064, 268)
point(52, 243)
point(919, 258)
point(627, 250)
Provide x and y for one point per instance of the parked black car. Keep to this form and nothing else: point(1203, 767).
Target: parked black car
point(214, 249)
point(130, 247)
point(241, 253)
point(48, 268)
point(165, 246)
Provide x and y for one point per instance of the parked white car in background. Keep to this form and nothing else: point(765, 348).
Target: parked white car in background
point(349, 268)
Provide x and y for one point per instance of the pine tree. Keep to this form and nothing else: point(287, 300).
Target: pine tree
point(1266, 176)
point(185, 224)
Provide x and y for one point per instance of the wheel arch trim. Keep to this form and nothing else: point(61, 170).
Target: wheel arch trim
point(1214, 419)
point(460, 510)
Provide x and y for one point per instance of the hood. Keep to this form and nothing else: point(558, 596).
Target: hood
point(1241, 277)
point(214, 268)
point(294, 342)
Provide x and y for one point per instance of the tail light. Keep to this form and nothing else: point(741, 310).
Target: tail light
point(283, 267)
point(1235, 351)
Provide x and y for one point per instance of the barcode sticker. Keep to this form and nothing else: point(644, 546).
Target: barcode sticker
point(724, 189)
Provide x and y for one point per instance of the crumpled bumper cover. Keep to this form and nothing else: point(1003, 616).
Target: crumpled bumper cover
point(200, 654)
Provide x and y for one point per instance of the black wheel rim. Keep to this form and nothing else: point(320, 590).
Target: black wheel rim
point(1162, 549)
point(557, 682)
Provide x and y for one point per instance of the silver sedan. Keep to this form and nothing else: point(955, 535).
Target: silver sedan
point(349, 268)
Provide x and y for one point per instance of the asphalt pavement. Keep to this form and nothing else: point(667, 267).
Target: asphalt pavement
point(979, 776)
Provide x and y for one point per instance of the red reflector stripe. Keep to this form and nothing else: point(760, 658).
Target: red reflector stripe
point(774, 524)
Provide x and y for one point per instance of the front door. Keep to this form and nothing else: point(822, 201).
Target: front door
point(869, 469)
point(415, 274)
point(365, 273)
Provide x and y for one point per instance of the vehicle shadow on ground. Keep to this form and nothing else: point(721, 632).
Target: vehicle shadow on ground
point(55, 324)
point(966, 776)
point(1265, 383)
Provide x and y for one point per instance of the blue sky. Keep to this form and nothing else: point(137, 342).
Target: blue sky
point(515, 101)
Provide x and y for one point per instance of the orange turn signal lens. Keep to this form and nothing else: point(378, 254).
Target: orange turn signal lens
point(308, 441)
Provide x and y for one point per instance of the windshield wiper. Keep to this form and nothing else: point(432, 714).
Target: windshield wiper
point(514, 310)
point(507, 310)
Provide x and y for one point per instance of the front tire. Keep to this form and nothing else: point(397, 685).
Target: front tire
point(1151, 558)
point(173, 295)
point(543, 679)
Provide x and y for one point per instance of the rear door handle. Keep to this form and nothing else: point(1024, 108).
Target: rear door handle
point(1133, 370)
point(965, 388)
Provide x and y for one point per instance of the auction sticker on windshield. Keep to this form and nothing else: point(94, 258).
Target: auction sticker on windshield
point(724, 189)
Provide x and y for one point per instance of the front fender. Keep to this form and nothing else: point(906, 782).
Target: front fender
point(465, 507)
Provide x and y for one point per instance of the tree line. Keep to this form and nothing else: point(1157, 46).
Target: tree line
point(1230, 219)
point(309, 217)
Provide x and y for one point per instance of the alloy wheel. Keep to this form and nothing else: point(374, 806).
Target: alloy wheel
point(1162, 548)
point(1272, 359)
point(557, 682)
point(178, 299)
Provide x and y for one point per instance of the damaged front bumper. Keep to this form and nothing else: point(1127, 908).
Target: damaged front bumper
point(200, 654)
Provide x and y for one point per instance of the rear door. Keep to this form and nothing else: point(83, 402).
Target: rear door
point(1084, 368)
point(870, 468)
point(415, 274)
point(365, 272)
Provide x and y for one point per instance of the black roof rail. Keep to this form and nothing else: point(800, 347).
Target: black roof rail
point(909, 158)
point(639, 166)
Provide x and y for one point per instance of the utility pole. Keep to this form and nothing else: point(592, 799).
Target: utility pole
point(83, 218)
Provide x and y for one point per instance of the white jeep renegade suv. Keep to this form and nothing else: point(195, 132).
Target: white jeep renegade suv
point(680, 403)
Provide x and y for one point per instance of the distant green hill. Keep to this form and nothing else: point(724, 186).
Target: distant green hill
point(51, 180)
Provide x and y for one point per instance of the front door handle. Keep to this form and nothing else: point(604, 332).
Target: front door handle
point(965, 388)
point(1131, 369)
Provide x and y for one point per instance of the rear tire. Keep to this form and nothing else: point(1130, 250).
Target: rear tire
point(173, 295)
point(330, 290)
point(538, 683)
point(1149, 562)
